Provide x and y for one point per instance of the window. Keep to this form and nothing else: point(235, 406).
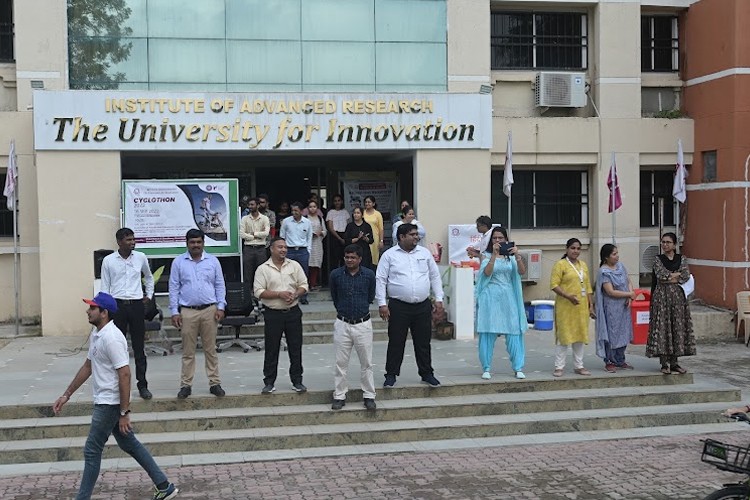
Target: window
point(547, 40)
point(543, 199)
point(6, 31)
point(6, 216)
point(656, 185)
point(709, 166)
point(659, 43)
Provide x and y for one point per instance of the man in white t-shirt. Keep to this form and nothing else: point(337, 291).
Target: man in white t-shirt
point(107, 362)
point(337, 219)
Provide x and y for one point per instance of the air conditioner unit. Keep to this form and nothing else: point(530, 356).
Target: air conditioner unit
point(533, 261)
point(649, 251)
point(561, 90)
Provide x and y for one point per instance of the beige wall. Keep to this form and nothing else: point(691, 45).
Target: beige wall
point(468, 44)
point(85, 214)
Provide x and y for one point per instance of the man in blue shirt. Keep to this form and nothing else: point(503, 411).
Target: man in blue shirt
point(197, 298)
point(297, 232)
point(352, 290)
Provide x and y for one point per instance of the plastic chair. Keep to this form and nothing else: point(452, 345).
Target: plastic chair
point(161, 345)
point(743, 315)
point(240, 310)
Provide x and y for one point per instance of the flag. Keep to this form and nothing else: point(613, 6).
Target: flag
point(11, 176)
point(678, 189)
point(508, 175)
point(615, 198)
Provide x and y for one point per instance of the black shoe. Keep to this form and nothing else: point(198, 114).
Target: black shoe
point(298, 387)
point(370, 404)
point(338, 404)
point(217, 391)
point(431, 380)
point(185, 391)
point(390, 381)
point(145, 393)
point(304, 301)
point(268, 389)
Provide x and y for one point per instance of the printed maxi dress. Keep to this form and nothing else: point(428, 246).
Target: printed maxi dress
point(316, 251)
point(670, 326)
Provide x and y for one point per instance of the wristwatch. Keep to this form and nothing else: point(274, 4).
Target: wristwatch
point(124, 413)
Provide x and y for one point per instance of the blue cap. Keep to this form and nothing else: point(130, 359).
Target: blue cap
point(103, 300)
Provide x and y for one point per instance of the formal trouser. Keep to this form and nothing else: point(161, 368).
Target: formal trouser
point(287, 322)
point(404, 317)
point(561, 352)
point(614, 356)
point(105, 421)
point(197, 322)
point(514, 344)
point(359, 336)
point(252, 257)
point(129, 318)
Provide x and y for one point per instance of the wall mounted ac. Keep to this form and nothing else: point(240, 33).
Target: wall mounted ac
point(560, 90)
point(648, 252)
point(533, 261)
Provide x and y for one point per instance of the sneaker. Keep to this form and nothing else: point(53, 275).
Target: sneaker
point(370, 404)
point(145, 393)
point(338, 404)
point(185, 391)
point(582, 371)
point(299, 387)
point(268, 389)
point(431, 381)
point(217, 391)
point(390, 381)
point(520, 375)
point(611, 368)
point(165, 494)
point(625, 366)
point(486, 375)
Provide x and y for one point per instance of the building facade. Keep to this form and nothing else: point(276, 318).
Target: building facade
point(248, 90)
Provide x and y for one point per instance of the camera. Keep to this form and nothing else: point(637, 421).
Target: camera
point(505, 247)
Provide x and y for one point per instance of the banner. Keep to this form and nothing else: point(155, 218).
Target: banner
point(161, 212)
point(385, 197)
point(460, 236)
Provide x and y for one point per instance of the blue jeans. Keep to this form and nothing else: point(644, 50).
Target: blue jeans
point(105, 421)
point(303, 257)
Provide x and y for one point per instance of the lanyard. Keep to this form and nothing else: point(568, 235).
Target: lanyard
point(580, 276)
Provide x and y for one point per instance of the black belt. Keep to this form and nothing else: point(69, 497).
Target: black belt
point(200, 307)
point(296, 248)
point(129, 301)
point(354, 321)
point(280, 311)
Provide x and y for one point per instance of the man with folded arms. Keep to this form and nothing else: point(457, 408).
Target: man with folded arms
point(279, 283)
point(197, 298)
point(254, 231)
point(352, 290)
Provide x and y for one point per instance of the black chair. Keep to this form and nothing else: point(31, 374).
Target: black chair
point(161, 344)
point(240, 310)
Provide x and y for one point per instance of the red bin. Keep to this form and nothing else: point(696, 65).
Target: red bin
point(639, 314)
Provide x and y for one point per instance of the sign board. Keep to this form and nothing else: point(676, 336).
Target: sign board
point(160, 212)
point(460, 236)
point(169, 121)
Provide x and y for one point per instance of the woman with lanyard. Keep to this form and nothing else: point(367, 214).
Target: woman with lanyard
point(573, 307)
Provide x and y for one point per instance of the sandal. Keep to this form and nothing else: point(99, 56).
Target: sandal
point(665, 370)
point(678, 369)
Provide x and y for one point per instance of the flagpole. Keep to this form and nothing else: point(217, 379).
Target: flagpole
point(612, 195)
point(15, 265)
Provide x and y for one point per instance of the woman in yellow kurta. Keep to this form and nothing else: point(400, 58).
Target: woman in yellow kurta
point(375, 220)
point(573, 307)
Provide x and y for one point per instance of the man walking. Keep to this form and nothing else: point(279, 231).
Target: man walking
point(254, 230)
point(107, 361)
point(121, 278)
point(197, 298)
point(278, 283)
point(406, 273)
point(352, 290)
point(297, 232)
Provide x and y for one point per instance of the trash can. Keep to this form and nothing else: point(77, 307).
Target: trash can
point(544, 314)
point(639, 314)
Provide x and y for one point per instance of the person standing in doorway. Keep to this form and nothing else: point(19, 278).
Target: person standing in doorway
point(254, 230)
point(405, 275)
point(279, 282)
point(263, 207)
point(197, 298)
point(375, 219)
point(244, 210)
point(352, 290)
point(107, 361)
point(336, 220)
point(316, 248)
point(127, 277)
point(298, 234)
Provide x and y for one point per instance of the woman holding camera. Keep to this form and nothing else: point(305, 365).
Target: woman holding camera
point(499, 302)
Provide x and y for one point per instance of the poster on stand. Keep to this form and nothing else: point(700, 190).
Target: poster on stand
point(460, 237)
point(161, 212)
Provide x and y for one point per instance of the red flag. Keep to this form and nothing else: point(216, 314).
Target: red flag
point(615, 198)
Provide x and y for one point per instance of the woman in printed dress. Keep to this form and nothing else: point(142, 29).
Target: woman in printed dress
point(316, 251)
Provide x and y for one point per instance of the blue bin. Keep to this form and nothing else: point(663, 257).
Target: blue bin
point(544, 314)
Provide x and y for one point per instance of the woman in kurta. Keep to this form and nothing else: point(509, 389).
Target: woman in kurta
point(614, 292)
point(573, 307)
point(499, 303)
point(375, 220)
point(359, 232)
point(670, 326)
point(316, 251)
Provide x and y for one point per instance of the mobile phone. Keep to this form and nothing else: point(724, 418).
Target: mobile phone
point(505, 247)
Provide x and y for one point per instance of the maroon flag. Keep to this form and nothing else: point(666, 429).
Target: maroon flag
point(615, 198)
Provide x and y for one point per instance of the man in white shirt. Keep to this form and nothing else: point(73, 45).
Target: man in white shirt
point(297, 232)
point(405, 274)
point(254, 230)
point(107, 361)
point(121, 278)
point(484, 227)
point(337, 219)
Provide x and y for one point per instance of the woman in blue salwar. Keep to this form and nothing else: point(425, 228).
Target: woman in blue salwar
point(499, 304)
